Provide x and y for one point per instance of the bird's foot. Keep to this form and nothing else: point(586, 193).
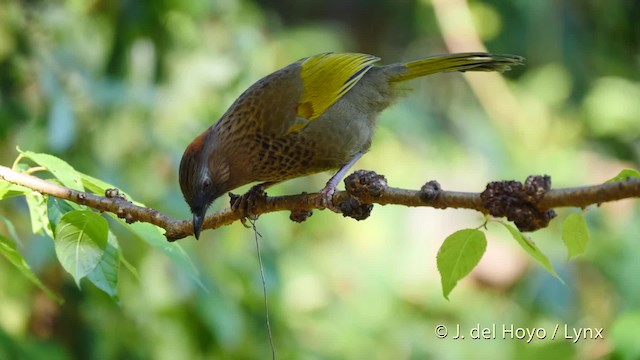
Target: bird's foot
point(326, 199)
point(246, 203)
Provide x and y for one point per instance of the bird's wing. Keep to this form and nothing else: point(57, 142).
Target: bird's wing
point(325, 79)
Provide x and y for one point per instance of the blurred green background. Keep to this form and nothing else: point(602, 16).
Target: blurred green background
point(119, 88)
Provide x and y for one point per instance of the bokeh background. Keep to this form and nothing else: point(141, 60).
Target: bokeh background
point(119, 88)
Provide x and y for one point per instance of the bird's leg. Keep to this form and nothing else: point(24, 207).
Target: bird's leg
point(326, 200)
point(247, 202)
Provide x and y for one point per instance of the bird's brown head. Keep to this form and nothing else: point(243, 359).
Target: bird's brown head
point(203, 177)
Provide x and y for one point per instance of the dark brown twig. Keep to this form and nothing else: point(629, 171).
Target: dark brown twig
point(363, 186)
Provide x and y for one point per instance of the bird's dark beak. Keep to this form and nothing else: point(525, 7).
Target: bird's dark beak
point(198, 219)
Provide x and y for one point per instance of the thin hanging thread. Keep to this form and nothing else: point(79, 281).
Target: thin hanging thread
point(264, 288)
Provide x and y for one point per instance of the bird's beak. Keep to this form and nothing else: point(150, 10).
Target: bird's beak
point(198, 219)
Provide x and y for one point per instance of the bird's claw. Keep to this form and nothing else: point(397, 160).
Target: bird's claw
point(326, 199)
point(246, 203)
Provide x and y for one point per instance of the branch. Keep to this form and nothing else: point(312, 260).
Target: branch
point(529, 205)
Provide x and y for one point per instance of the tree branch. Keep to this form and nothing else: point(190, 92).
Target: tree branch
point(529, 205)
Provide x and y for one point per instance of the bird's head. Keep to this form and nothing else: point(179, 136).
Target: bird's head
point(204, 177)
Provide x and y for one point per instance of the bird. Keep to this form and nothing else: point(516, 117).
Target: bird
point(314, 115)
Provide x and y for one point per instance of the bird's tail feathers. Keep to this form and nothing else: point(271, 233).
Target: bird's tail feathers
point(457, 62)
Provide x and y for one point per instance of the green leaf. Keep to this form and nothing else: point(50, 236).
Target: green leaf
point(152, 235)
point(64, 172)
point(94, 185)
point(8, 190)
point(129, 267)
point(10, 229)
point(98, 186)
point(105, 275)
point(624, 175)
point(575, 234)
point(532, 249)
point(8, 249)
point(80, 241)
point(38, 212)
point(459, 254)
point(56, 208)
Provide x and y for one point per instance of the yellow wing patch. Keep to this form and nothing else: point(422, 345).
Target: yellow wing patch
point(326, 78)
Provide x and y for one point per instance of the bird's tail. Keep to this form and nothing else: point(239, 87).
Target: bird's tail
point(456, 62)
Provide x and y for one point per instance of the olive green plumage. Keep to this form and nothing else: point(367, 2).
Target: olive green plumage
point(313, 115)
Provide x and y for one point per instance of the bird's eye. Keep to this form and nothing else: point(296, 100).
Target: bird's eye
point(206, 184)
